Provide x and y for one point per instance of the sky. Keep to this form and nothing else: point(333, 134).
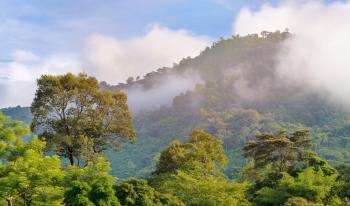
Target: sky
point(110, 39)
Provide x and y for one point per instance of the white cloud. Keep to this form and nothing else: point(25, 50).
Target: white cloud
point(107, 58)
point(23, 56)
point(115, 60)
point(17, 78)
point(318, 54)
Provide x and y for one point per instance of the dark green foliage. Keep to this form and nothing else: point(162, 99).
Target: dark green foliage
point(78, 194)
point(169, 200)
point(91, 185)
point(100, 193)
point(137, 192)
point(281, 150)
point(343, 187)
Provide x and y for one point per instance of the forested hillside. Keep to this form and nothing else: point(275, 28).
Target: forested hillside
point(18, 113)
point(239, 95)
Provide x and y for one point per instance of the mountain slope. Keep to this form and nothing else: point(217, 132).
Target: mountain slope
point(240, 96)
point(236, 93)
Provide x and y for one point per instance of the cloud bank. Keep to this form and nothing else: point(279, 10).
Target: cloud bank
point(18, 75)
point(114, 60)
point(108, 58)
point(317, 56)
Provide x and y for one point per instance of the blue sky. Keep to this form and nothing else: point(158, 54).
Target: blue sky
point(48, 26)
point(60, 25)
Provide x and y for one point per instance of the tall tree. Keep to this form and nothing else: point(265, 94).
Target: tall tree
point(279, 150)
point(202, 152)
point(191, 170)
point(77, 118)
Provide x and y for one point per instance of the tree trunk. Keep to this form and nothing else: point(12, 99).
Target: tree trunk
point(71, 160)
point(9, 201)
point(70, 156)
point(26, 200)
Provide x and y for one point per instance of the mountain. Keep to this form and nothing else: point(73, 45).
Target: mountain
point(240, 95)
point(233, 91)
point(18, 113)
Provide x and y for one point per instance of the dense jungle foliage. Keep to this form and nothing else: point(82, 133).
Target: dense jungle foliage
point(282, 170)
point(241, 96)
point(263, 140)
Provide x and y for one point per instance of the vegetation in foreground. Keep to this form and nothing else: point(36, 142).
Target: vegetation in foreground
point(283, 170)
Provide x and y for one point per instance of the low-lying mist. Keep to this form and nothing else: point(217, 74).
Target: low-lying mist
point(162, 91)
point(317, 55)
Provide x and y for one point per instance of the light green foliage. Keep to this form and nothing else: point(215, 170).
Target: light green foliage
point(78, 120)
point(11, 133)
point(202, 190)
point(91, 185)
point(312, 185)
point(299, 201)
point(318, 163)
point(27, 176)
point(35, 179)
point(137, 192)
point(192, 171)
point(202, 153)
point(284, 166)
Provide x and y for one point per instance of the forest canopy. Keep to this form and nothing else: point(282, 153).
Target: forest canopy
point(242, 136)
